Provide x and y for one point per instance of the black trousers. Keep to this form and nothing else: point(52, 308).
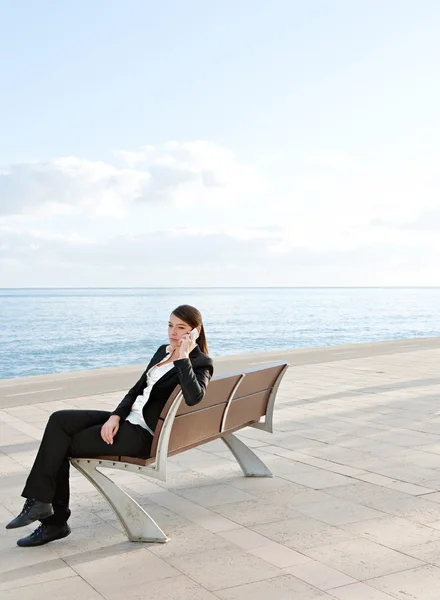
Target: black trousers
point(76, 433)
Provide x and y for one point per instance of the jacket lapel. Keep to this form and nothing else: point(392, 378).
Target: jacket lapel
point(157, 359)
point(172, 372)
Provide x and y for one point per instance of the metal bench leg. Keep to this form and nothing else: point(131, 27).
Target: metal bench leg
point(251, 465)
point(138, 524)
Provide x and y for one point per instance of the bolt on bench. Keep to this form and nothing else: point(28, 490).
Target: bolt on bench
point(231, 402)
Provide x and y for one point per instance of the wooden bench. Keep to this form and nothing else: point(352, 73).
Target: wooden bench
point(231, 402)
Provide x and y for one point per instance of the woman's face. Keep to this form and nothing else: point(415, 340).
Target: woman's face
point(177, 329)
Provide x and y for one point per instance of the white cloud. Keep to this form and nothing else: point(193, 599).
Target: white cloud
point(333, 222)
point(197, 258)
point(68, 186)
point(184, 174)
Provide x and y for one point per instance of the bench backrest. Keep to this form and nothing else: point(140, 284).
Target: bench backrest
point(230, 403)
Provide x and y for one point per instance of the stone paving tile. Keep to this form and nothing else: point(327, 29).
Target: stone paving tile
point(368, 494)
point(244, 538)
point(166, 517)
point(359, 591)
point(302, 532)
point(381, 449)
point(426, 459)
point(197, 458)
point(395, 532)
point(192, 512)
point(217, 569)
point(85, 518)
point(279, 492)
point(39, 573)
point(13, 557)
point(433, 497)
point(5, 417)
point(284, 587)
point(432, 484)
point(189, 539)
point(10, 435)
point(406, 437)
point(224, 470)
point(323, 464)
point(214, 494)
point(84, 539)
point(349, 456)
point(68, 588)
point(414, 508)
point(254, 512)
point(428, 552)
point(313, 477)
point(336, 511)
point(5, 516)
point(409, 488)
point(86, 498)
point(279, 555)
point(320, 575)
point(187, 478)
point(403, 471)
point(27, 429)
point(422, 583)
point(432, 448)
point(308, 496)
point(273, 487)
point(362, 559)
point(171, 588)
point(22, 412)
point(378, 479)
point(143, 486)
point(121, 575)
point(9, 466)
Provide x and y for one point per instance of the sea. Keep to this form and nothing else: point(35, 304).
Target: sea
point(46, 331)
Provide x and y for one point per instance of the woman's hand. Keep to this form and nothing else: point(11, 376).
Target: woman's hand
point(110, 429)
point(187, 345)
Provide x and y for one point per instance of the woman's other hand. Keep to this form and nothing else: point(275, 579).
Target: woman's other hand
point(110, 429)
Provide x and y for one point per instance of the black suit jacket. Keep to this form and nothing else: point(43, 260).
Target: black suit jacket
point(192, 374)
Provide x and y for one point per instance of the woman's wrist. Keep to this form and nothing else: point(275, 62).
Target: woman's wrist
point(117, 417)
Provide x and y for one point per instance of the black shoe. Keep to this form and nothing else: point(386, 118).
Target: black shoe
point(44, 534)
point(33, 510)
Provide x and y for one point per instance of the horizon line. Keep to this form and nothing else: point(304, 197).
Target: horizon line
point(224, 287)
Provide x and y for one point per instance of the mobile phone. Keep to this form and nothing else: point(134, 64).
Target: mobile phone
point(194, 334)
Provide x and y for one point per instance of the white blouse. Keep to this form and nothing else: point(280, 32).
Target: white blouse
point(154, 374)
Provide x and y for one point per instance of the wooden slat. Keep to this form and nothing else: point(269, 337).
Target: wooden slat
point(143, 462)
point(206, 440)
point(258, 381)
point(248, 408)
point(217, 392)
point(155, 441)
point(113, 458)
point(195, 427)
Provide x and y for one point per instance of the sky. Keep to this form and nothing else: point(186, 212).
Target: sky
point(232, 143)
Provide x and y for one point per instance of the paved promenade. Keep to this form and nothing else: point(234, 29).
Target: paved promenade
point(352, 513)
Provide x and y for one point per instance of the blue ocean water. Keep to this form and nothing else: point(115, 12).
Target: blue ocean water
point(46, 331)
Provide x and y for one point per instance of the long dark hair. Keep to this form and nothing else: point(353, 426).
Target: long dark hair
point(193, 318)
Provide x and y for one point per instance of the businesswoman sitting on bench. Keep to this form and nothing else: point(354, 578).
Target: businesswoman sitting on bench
point(127, 431)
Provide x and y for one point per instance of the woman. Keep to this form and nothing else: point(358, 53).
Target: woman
point(127, 431)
